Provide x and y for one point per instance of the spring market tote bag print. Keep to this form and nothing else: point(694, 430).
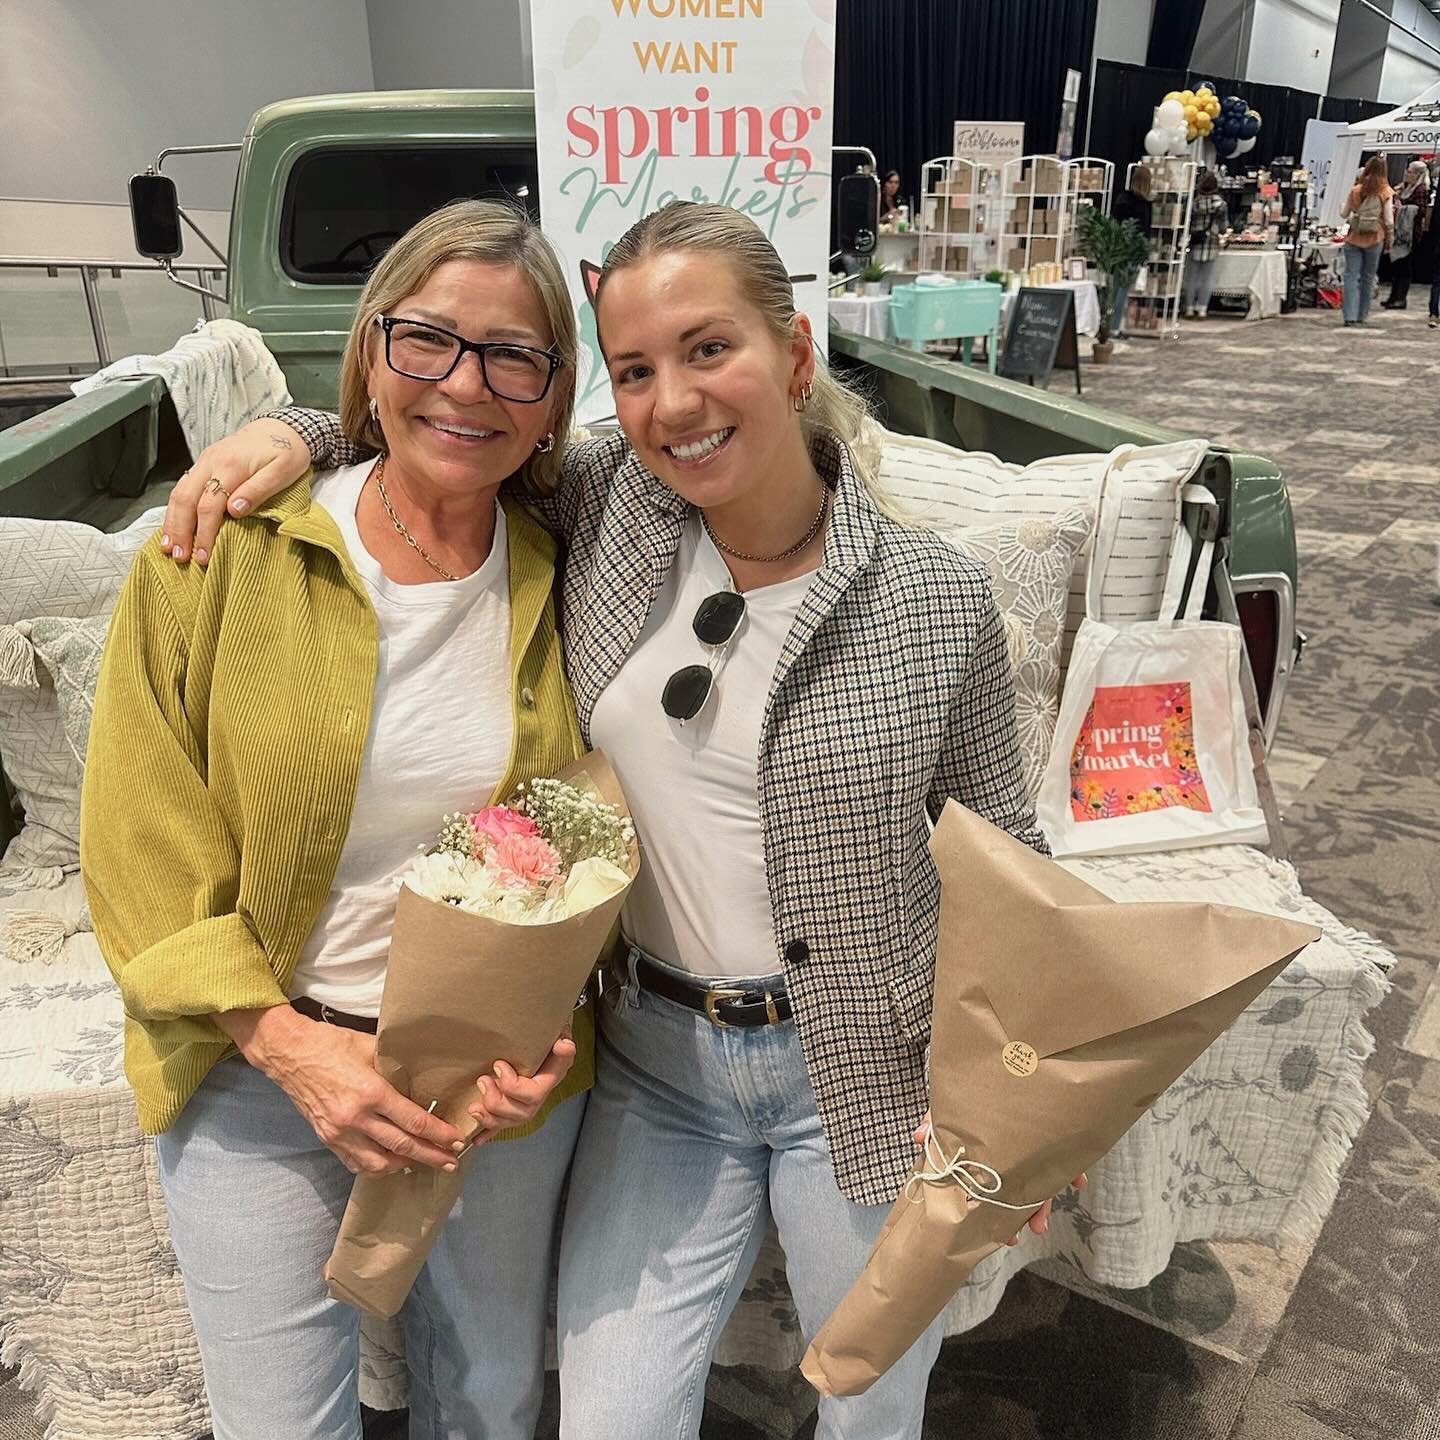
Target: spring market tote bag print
point(1151, 748)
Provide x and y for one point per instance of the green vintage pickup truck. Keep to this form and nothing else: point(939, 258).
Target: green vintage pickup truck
point(325, 184)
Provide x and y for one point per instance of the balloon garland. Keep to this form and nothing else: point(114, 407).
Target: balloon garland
point(1185, 116)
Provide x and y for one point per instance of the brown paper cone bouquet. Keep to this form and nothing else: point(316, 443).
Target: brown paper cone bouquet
point(1060, 1017)
point(496, 934)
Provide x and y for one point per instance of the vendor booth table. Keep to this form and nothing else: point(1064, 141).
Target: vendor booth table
point(867, 315)
point(1087, 305)
point(1258, 275)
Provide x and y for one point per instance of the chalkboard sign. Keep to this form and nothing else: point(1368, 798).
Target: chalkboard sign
point(1041, 336)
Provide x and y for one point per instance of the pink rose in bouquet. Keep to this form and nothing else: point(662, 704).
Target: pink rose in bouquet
point(495, 822)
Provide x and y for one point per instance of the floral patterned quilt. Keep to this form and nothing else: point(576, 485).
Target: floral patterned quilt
point(1248, 1144)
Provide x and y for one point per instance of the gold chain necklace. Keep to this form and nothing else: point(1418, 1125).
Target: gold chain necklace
point(795, 549)
point(400, 525)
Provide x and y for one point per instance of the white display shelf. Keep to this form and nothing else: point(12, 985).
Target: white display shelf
point(1032, 208)
point(1172, 192)
point(952, 215)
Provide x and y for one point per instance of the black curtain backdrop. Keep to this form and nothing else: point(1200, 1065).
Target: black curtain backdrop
point(1173, 31)
point(1126, 96)
point(907, 70)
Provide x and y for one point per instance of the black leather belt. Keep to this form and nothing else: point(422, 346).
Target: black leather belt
point(721, 1005)
point(314, 1010)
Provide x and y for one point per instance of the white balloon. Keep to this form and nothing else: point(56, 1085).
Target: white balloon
point(1178, 142)
point(1157, 142)
point(1170, 114)
point(1244, 147)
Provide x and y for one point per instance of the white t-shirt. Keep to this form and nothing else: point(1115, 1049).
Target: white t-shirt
point(440, 737)
point(701, 901)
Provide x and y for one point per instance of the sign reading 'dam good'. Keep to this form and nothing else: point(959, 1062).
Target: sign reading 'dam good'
point(641, 102)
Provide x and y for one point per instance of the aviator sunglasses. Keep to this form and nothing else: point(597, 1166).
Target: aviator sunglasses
point(715, 624)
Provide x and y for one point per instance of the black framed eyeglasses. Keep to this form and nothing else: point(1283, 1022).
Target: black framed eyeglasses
point(715, 624)
point(421, 351)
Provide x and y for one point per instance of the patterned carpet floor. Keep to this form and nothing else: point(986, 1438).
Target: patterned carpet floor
point(1239, 1342)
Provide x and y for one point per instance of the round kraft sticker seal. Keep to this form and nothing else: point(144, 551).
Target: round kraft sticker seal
point(1019, 1059)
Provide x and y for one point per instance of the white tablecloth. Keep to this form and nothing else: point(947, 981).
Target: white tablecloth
point(1087, 305)
point(1328, 253)
point(863, 315)
point(1260, 273)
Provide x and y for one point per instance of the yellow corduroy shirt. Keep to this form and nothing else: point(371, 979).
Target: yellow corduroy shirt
point(231, 716)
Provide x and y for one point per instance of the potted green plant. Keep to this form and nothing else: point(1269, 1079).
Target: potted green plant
point(873, 276)
point(1117, 249)
point(996, 277)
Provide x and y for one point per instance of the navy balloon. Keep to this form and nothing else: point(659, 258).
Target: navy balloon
point(1225, 146)
point(1250, 128)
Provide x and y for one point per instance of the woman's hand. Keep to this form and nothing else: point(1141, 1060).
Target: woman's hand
point(329, 1074)
point(1039, 1222)
point(251, 465)
point(508, 1098)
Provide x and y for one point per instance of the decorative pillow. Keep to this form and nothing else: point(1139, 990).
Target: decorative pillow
point(970, 487)
point(1030, 564)
point(55, 569)
point(71, 649)
point(42, 767)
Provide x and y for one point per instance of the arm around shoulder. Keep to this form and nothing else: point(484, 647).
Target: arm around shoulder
point(161, 866)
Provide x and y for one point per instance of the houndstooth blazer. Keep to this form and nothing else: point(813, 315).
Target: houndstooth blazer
point(893, 692)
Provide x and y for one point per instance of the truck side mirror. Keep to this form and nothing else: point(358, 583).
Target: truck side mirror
point(155, 215)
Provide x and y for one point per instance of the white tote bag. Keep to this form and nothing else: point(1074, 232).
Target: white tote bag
point(1151, 749)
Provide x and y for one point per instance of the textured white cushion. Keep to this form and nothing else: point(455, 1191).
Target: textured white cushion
point(53, 569)
point(955, 488)
point(1030, 564)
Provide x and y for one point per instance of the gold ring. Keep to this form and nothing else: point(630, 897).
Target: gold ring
point(213, 487)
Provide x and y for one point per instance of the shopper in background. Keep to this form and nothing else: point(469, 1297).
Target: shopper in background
point(1209, 216)
point(1412, 211)
point(890, 196)
point(1370, 209)
point(1132, 204)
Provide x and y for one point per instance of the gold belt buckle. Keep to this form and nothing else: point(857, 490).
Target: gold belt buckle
point(713, 998)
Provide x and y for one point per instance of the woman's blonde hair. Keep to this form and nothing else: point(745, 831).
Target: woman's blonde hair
point(495, 234)
point(684, 225)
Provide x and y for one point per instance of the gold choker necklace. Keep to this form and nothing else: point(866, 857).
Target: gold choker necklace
point(795, 549)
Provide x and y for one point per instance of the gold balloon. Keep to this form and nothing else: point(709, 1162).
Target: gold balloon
point(1204, 124)
point(1173, 95)
point(1192, 113)
point(1214, 106)
point(1187, 97)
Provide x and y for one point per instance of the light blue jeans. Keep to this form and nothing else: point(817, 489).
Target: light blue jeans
point(255, 1202)
point(1361, 263)
point(1199, 284)
point(695, 1136)
point(1117, 308)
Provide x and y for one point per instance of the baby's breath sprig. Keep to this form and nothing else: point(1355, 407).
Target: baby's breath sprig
point(578, 825)
point(457, 836)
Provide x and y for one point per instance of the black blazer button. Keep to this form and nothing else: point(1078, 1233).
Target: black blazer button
point(797, 952)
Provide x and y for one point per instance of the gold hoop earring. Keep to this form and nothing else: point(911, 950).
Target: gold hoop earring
point(374, 409)
point(802, 400)
point(547, 444)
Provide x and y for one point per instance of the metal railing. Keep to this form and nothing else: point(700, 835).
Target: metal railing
point(38, 325)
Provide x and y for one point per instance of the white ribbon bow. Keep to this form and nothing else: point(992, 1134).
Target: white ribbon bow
point(981, 1182)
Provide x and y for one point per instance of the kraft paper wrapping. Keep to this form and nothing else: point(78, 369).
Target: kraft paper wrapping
point(461, 992)
point(1060, 1018)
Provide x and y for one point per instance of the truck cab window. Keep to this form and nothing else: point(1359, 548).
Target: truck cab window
point(345, 207)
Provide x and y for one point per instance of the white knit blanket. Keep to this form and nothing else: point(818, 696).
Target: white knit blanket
point(220, 377)
point(1247, 1145)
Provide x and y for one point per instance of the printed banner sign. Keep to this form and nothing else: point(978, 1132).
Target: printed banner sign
point(1135, 753)
point(641, 102)
point(989, 142)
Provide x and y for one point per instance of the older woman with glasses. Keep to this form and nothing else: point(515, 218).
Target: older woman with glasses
point(274, 736)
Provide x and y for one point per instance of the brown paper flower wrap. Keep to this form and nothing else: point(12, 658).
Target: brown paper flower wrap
point(462, 990)
point(1060, 1017)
